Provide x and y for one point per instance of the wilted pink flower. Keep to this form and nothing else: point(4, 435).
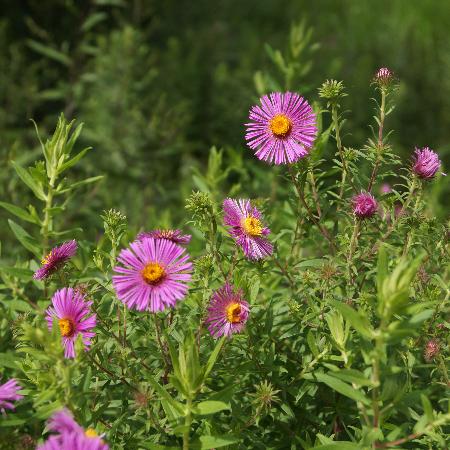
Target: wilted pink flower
point(56, 259)
point(8, 394)
point(71, 436)
point(227, 312)
point(154, 274)
point(425, 163)
point(246, 227)
point(282, 130)
point(383, 77)
point(364, 205)
point(431, 350)
point(71, 310)
point(171, 235)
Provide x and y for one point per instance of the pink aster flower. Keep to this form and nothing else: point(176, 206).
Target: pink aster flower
point(153, 275)
point(56, 259)
point(227, 312)
point(71, 310)
point(282, 130)
point(8, 394)
point(171, 235)
point(245, 226)
point(425, 163)
point(70, 435)
point(364, 205)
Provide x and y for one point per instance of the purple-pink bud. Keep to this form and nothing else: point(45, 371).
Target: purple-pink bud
point(425, 163)
point(384, 77)
point(431, 350)
point(364, 205)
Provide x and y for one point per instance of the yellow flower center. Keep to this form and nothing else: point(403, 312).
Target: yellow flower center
point(46, 259)
point(153, 273)
point(252, 226)
point(280, 125)
point(91, 433)
point(67, 327)
point(234, 312)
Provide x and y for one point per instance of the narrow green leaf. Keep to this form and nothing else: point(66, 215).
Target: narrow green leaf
point(19, 212)
point(29, 181)
point(359, 322)
point(25, 239)
point(73, 161)
point(208, 442)
point(341, 445)
point(18, 272)
point(342, 388)
point(50, 52)
point(209, 407)
point(213, 357)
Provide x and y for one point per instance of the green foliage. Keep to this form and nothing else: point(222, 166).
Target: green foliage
point(346, 346)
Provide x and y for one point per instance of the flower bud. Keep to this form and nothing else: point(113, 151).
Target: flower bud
point(383, 78)
point(364, 205)
point(332, 90)
point(425, 163)
point(431, 350)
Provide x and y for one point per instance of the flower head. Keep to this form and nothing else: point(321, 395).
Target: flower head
point(245, 226)
point(227, 312)
point(70, 435)
point(153, 274)
point(171, 235)
point(282, 130)
point(364, 205)
point(385, 188)
point(57, 257)
point(384, 77)
point(71, 310)
point(8, 394)
point(425, 163)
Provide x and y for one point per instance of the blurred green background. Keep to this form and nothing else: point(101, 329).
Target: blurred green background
point(157, 83)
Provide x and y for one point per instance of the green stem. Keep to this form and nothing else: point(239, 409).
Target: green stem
point(47, 223)
point(353, 241)
point(301, 197)
point(340, 148)
point(380, 139)
point(187, 424)
point(410, 235)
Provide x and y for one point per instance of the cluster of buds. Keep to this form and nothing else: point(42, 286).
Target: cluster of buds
point(200, 205)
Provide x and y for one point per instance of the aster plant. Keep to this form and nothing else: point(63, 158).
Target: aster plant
point(309, 326)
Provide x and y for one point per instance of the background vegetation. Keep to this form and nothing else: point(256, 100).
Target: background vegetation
point(157, 83)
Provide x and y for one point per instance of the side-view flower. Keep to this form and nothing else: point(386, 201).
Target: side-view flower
point(57, 257)
point(245, 226)
point(72, 312)
point(228, 311)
